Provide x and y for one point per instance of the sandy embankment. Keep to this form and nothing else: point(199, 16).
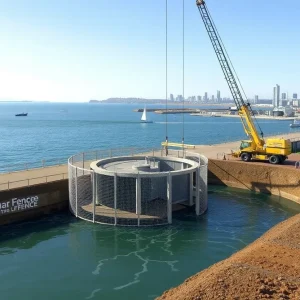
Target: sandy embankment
point(267, 268)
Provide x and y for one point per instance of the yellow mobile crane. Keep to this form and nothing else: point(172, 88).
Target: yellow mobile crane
point(273, 150)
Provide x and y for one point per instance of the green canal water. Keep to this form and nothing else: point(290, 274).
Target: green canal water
point(60, 257)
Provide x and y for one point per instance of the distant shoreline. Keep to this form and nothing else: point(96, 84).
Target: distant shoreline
point(175, 103)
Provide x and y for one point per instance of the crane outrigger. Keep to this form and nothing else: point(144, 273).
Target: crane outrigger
point(273, 150)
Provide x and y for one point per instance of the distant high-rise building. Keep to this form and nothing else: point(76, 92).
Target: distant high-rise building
point(205, 97)
point(219, 96)
point(179, 98)
point(213, 98)
point(199, 98)
point(255, 99)
point(283, 96)
point(171, 97)
point(276, 96)
point(295, 96)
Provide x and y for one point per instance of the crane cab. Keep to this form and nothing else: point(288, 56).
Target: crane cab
point(245, 150)
point(245, 145)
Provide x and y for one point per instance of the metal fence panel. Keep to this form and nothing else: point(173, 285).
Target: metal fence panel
point(84, 194)
point(72, 188)
point(140, 199)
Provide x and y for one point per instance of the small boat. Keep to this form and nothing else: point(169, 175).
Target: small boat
point(295, 124)
point(144, 117)
point(21, 115)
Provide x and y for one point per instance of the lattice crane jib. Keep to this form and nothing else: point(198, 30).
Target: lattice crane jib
point(244, 108)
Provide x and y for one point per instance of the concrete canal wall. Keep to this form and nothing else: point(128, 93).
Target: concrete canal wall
point(34, 192)
point(24, 203)
point(259, 177)
point(31, 199)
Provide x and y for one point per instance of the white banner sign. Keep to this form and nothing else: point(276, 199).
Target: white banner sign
point(18, 204)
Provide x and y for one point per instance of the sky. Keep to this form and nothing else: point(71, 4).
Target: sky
point(74, 51)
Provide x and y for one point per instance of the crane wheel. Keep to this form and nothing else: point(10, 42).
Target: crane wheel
point(274, 159)
point(246, 156)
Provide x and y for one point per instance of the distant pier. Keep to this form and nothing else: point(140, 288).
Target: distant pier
point(212, 112)
point(181, 110)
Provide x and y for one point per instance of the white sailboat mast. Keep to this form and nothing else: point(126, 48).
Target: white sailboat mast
point(144, 115)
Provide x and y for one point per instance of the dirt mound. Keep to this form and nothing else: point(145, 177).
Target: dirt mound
point(269, 268)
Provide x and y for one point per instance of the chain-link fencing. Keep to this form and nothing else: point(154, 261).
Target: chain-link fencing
point(112, 187)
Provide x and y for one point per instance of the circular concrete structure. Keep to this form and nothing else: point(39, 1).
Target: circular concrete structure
point(137, 189)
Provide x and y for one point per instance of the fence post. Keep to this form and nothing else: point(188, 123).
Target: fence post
point(76, 193)
point(94, 195)
point(138, 197)
point(8, 185)
point(197, 192)
point(83, 163)
point(169, 197)
point(115, 195)
point(205, 190)
point(191, 188)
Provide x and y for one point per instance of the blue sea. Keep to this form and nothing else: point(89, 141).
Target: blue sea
point(58, 130)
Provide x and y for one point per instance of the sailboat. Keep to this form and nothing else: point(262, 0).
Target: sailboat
point(144, 117)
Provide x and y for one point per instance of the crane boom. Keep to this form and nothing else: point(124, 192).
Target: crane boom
point(274, 150)
point(233, 86)
point(243, 108)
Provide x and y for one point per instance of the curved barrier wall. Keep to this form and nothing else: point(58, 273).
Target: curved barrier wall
point(136, 199)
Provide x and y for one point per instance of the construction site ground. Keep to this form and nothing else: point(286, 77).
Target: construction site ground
point(269, 268)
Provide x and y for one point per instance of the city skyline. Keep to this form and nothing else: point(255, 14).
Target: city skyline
point(61, 52)
point(276, 94)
